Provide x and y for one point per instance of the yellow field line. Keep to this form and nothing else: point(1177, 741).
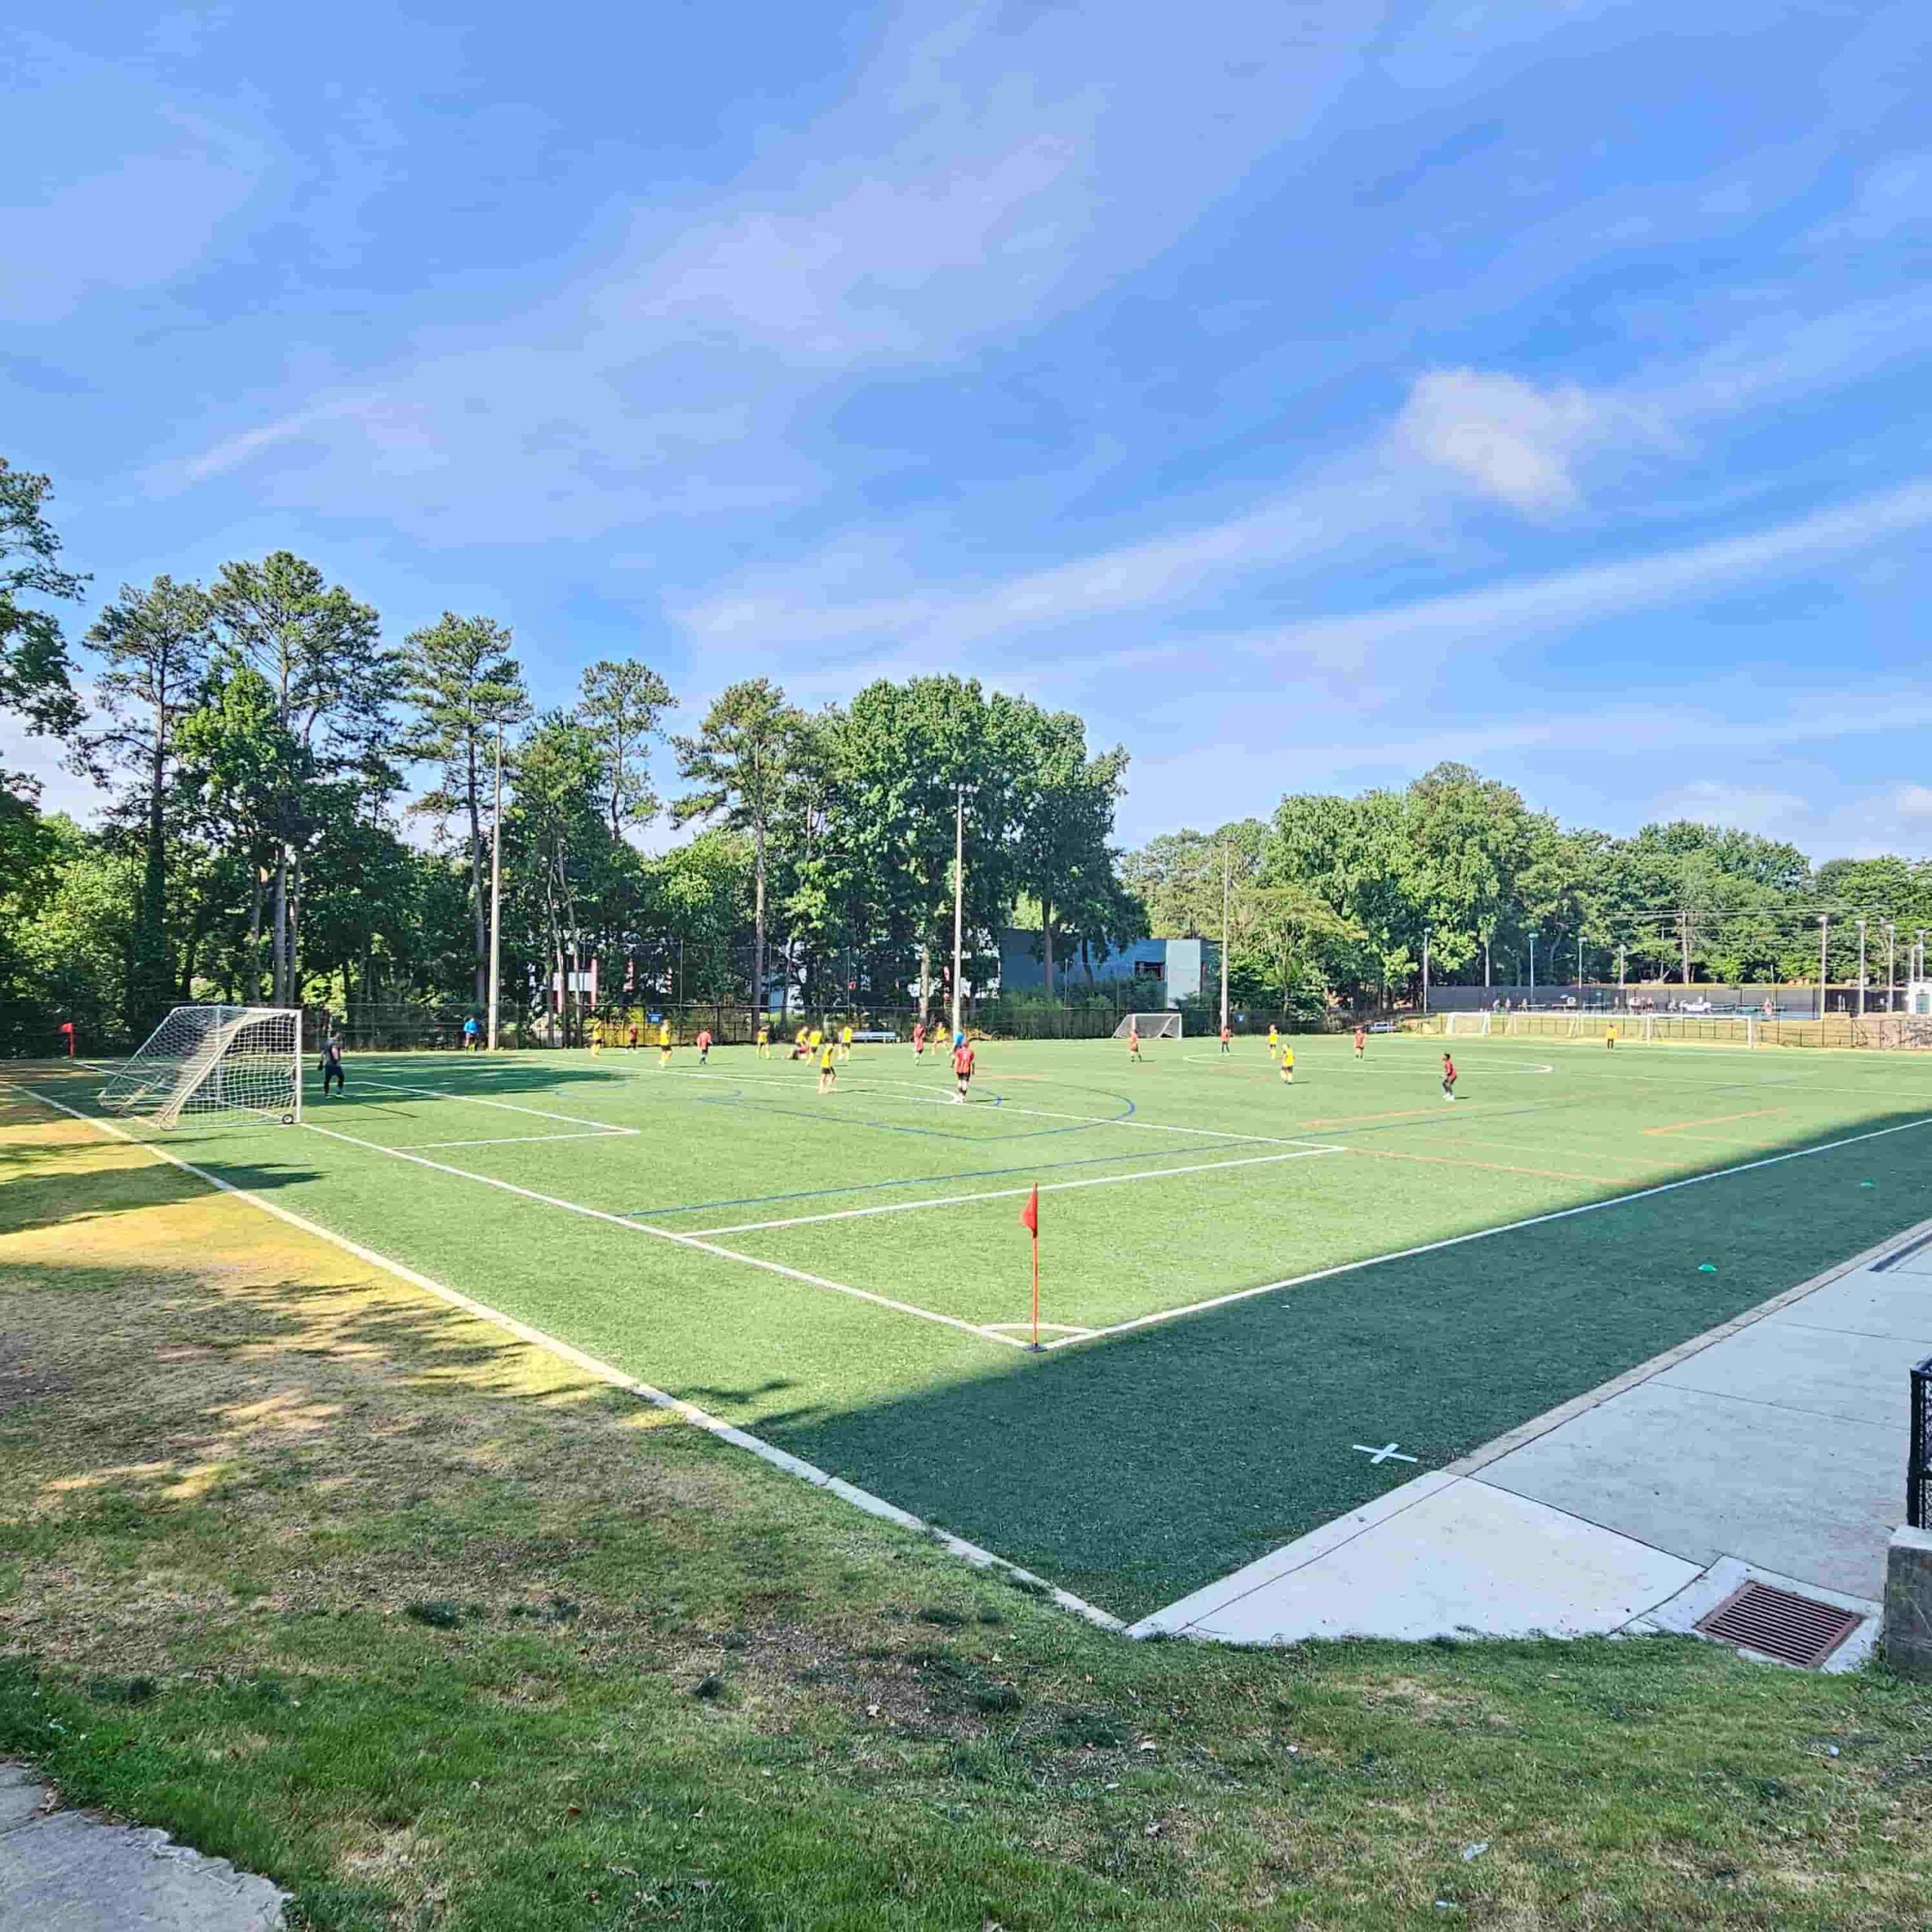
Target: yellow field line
point(1715, 1119)
point(1491, 1166)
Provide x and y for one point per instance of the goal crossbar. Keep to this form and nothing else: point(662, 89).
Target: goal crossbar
point(213, 1060)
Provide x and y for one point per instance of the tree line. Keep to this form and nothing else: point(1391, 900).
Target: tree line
point(1332, 900)
point(301, 809)
point(257, 736)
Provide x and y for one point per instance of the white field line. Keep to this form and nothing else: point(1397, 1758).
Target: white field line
point(667, 1234)
point(507, 1106)
point(1013, 1193)
point(895, 1087)
point(1484, 1234)
point(739, 1438)
point(519, 1139)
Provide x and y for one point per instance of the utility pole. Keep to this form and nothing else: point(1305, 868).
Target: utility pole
point(1891, 965)
point(1425, 971)
point(1225, 872)
point(1579, 965)
point(496, 888)
point(1620, 975)
point(958, 893)
point(1532, 972)
point(1861, 969)
point(1824, 957)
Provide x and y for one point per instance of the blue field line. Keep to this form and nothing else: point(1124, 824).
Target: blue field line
point(914, 1180)
point(823, 1117)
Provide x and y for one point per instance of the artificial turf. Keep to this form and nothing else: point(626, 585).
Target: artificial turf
point(1131, 1466)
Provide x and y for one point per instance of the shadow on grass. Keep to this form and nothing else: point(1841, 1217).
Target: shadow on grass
point(1138, 1467)
point(43, 1200)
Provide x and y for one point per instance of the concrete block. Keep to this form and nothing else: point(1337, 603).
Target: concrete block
point(1908, 1603)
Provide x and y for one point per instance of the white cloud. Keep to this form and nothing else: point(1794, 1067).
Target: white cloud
point(974, 180)
point(1911, 801)
point(146, 219)
point(1434, 626)
point(1513, 440)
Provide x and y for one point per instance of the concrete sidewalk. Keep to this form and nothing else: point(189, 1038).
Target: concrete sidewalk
point(71, 1872)
point(1773, 1448)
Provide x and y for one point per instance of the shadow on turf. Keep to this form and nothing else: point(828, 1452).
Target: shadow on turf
point(1135, 1468)
point(30, 1200)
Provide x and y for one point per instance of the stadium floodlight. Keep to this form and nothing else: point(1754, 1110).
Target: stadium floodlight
point(1150, 1026)
point(213, 1059)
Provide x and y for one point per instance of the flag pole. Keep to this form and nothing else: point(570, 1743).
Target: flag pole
point(1036, 1291)
point(1030, 1219)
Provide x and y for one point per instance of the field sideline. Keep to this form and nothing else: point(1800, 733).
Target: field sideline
point(1242, 1280)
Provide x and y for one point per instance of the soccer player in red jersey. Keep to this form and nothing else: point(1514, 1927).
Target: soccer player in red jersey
point(1448, 1078)
point(703, 1044)
point(1361, 1040)
point(962, 1069)
point(1227, 1037)
point(919, 1039)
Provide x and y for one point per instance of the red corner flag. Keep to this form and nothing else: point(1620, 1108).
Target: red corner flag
point(1030, 1219)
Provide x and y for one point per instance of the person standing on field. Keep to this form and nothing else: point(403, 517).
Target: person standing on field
point(1448, 1078)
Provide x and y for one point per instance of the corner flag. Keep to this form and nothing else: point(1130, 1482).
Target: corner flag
point(1030, 1219)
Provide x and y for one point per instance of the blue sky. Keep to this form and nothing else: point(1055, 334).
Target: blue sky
point(1304, 392)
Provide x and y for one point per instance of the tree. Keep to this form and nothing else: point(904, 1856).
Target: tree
point(154, 644)
point(463, 682)
point(35, 676)
point(1066, 819)
point(621, 705)
point(322, 655)
point(248, 776)
point(557, 833)
point(740, 760)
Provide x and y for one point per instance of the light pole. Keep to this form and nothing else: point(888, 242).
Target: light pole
point(1225, 863)
point(1425, 971)
point(1620, 1000)
point(1824, 957)
point(1891, 965)
point(1532, 972)
point(497, 890)
point(958, 895)
point(1579, 965)
point(1861, 969)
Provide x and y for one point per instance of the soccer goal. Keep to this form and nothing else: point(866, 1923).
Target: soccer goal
point(213, 1059)
point(1468, 1025)
point(1150, 1026)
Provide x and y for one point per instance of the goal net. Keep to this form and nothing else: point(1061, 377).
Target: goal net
point(1150, 1026)
point(1467, 1024)
point(213, 1059)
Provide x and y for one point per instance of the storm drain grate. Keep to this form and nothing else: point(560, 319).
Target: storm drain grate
point(1792, 1629)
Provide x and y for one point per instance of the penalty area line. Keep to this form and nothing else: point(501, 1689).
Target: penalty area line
point(691, 1241)
point(1013, 1193)
point(1484, 1234)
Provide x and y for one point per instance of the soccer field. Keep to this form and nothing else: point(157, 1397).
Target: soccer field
point(1242, 1280)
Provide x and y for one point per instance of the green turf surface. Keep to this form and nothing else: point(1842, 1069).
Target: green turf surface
point(1131, 1463)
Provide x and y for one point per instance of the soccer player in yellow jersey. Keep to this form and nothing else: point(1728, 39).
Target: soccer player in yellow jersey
point(765, 1042)
point(845, 1043)
point(596, 1030)
point(664, 1043)
point(1288, 1063)
point(1610, 1035)
point(828, 1074)
point(1274, 1040)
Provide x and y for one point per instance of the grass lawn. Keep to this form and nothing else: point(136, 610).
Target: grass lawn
point(1242, 1279)
point(332, 1578)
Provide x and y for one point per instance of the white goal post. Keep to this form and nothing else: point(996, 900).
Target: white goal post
point(213, 1059)
point(1150, 1026)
